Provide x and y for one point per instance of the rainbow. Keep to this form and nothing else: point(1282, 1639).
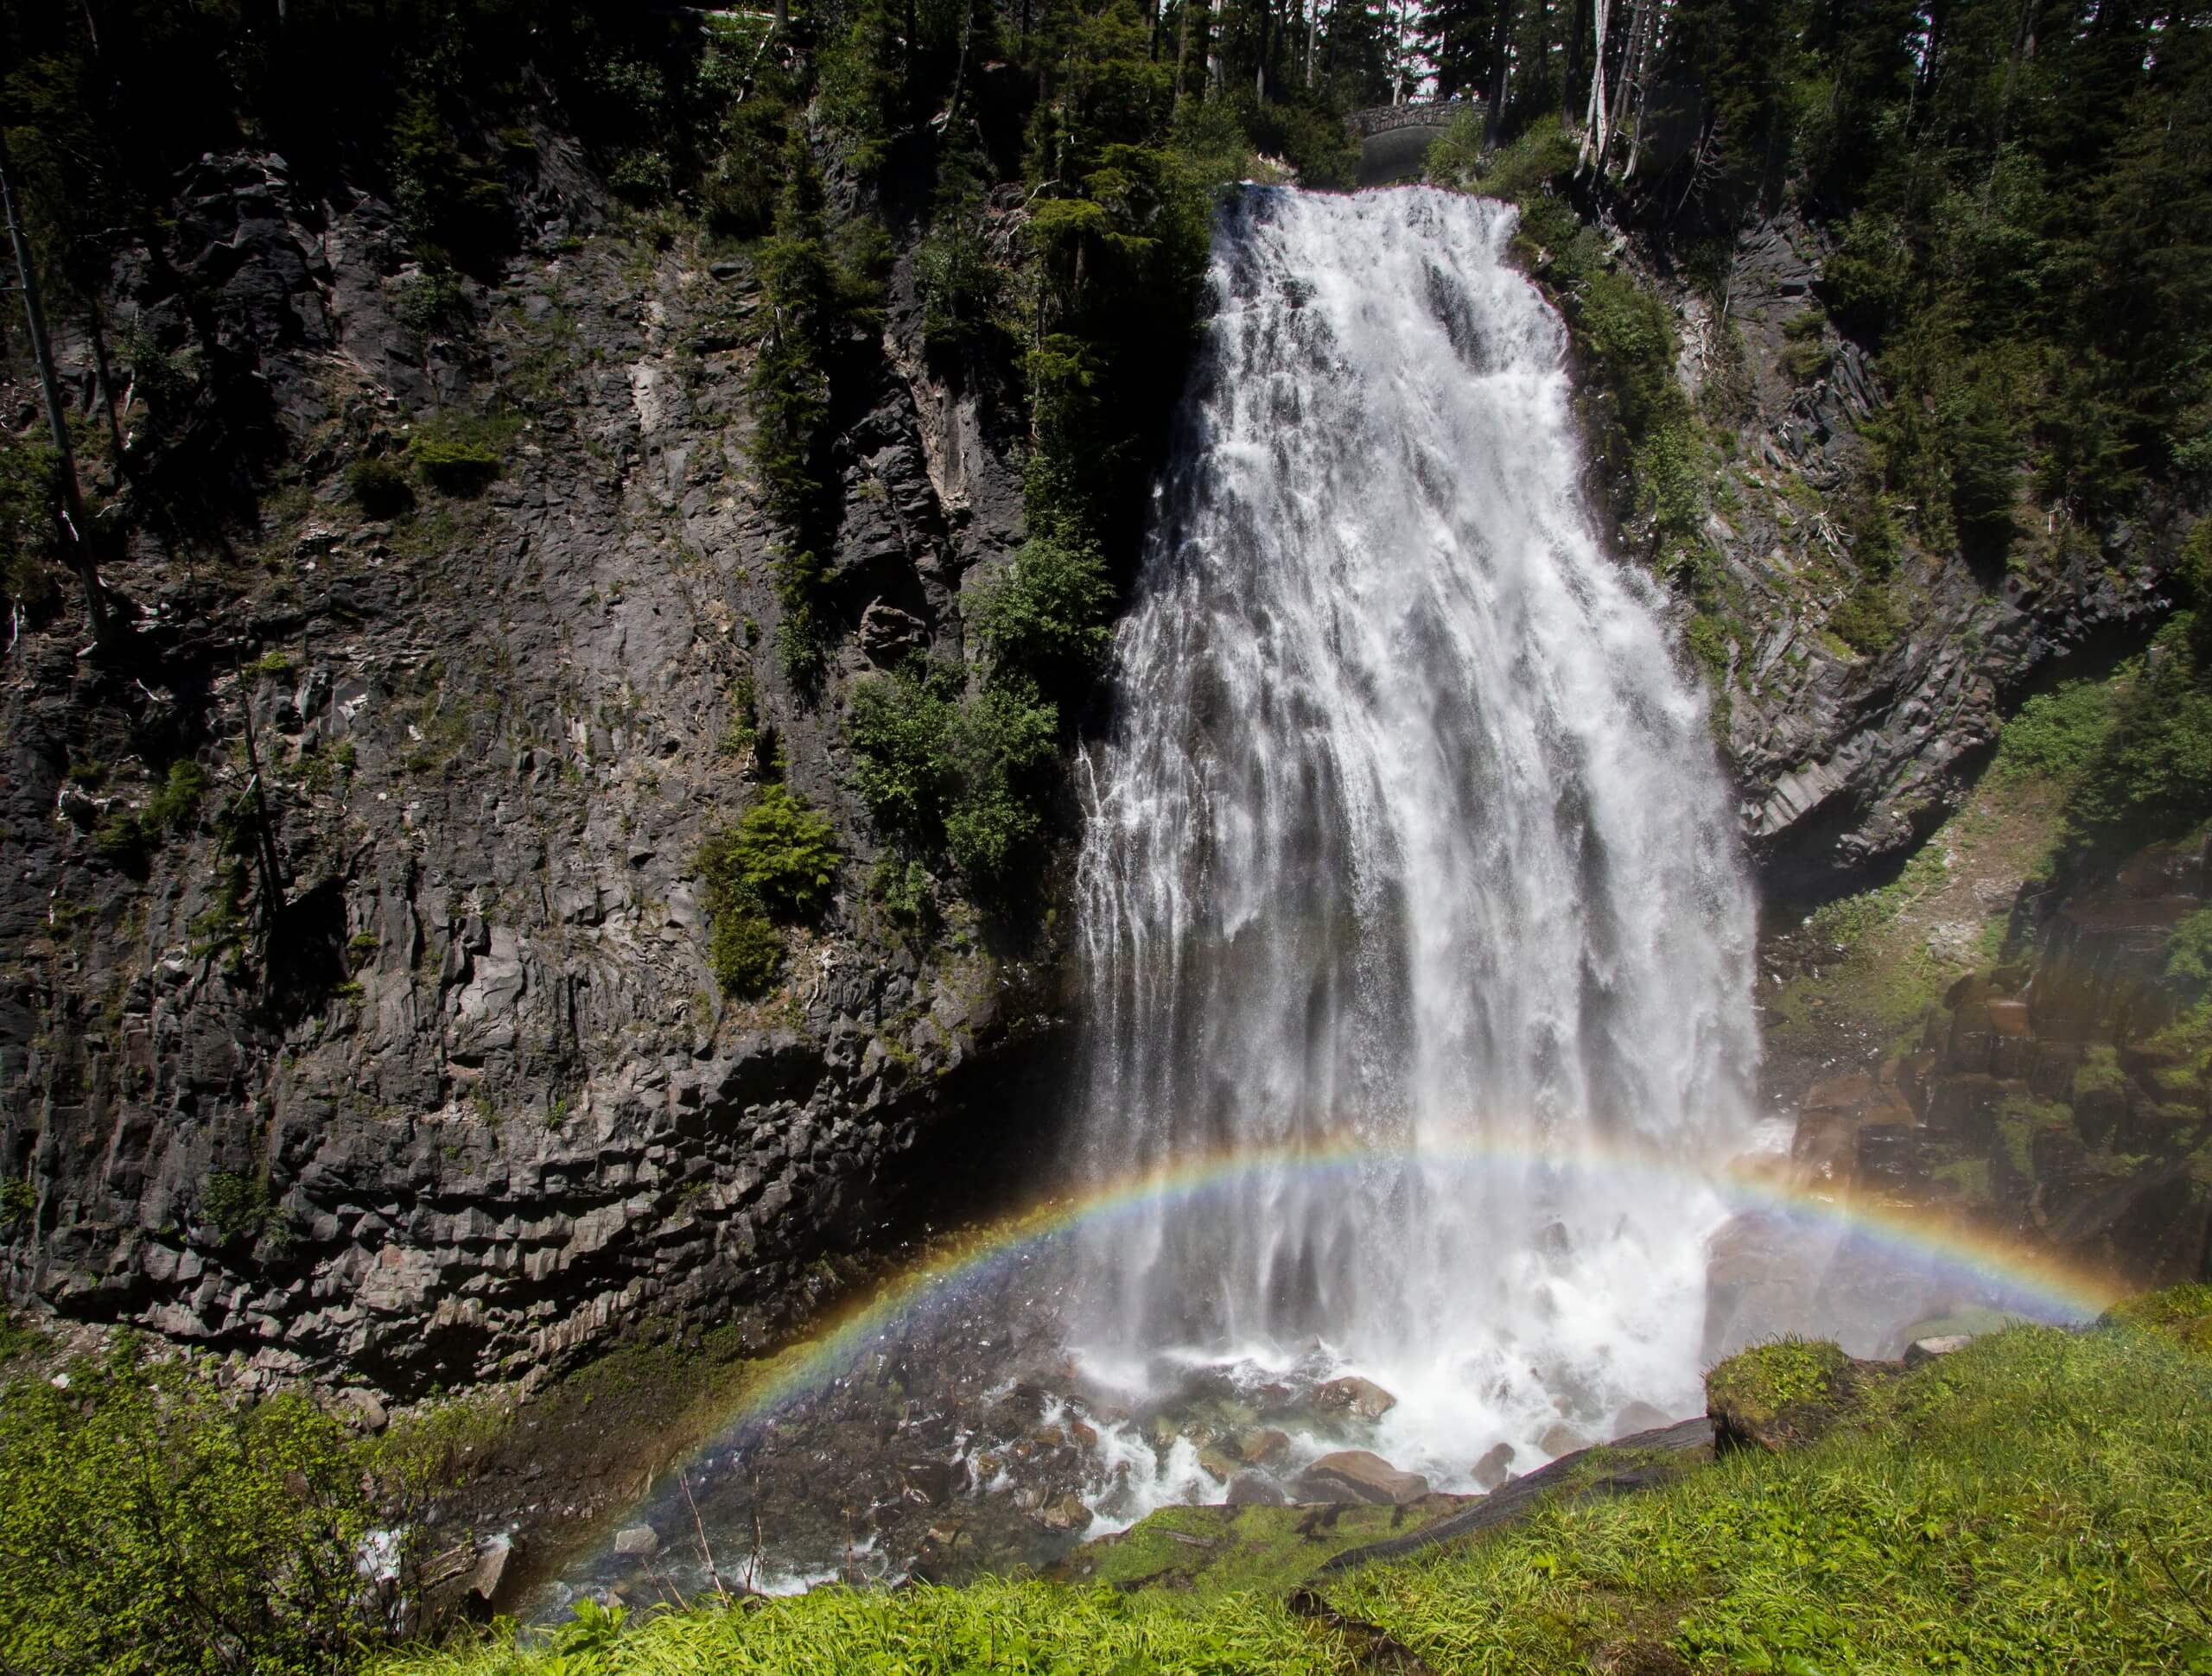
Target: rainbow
point(2033, 1282)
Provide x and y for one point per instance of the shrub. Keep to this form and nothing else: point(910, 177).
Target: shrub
point(1867, 620)
point(29, 483)
point(2055, 735)
point(2189, 954)
point(897, 728)
point(970, 775)
point(1049, 611)
point(235, 1204)
point(454, 464)
point(176, 805)
point(903, 887)
point(997, 749)
point(783, 852)
point(150, 1523)
point(745, 952)
point(380, 488)
point(1805, 356)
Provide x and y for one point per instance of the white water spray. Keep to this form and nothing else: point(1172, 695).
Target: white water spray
point(1409, 834)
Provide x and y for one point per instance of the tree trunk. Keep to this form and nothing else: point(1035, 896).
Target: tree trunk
point(74, 527)
point(1593, 133)
point(1501, 59)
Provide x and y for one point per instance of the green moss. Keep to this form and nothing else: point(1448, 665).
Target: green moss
point(1221, 1549)
point(1762, 1383)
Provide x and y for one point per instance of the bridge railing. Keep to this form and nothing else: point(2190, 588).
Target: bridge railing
point(1415, 113)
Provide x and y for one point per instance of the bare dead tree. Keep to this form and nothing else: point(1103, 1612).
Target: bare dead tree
point(1593, 128)
point(76, 532)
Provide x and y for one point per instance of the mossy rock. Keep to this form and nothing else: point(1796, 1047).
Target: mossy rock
point(1214, 1549)
point(2181, 1313)
point(1782, 1395)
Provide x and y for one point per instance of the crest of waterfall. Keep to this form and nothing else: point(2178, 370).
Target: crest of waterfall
point(1410, 837)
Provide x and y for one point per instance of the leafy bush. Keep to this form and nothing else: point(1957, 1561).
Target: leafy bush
point(1867, 620)
point(2155, 773)
point(903, 886)
point(1806, 358)
point(379, 488)
point(998, 749)
point(2189, 954)
point(970, 775)
point(1049, 611)
point(2055, 735)
point(235, 1204)
point(782, 852)
point(149, 1523)
point(29, 485)
point(744, 950)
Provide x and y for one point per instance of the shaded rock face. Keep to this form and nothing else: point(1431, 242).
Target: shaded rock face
point(2048, 1098)
point(1846, 759)
point(479, 1104)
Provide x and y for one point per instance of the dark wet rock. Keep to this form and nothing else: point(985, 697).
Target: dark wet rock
point(1640, 1416)
point(1560, 1439)
point(1252, 1489)
point(1495, 1467)
point(489, 1110)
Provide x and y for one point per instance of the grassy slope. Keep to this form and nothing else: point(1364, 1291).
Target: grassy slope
point(2040, 1500)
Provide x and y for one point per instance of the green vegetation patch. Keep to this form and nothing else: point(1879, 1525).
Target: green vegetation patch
point(1224, 1549)
point(152, 1522)
point(2183, 1313)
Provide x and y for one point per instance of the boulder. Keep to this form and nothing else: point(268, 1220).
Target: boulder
point(1065, 1513)
point(1560, 1439)
point(360, 1410)
point(1353, 1394)
point(1216, 1465)
point(637, 1542)
point(1639, 1417)
point(1360, 1475)
point(1927, 1350)
point(1263, 1445)
point(1495, 1467)
point(1250, 1490)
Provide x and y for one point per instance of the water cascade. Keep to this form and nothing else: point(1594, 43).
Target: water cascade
point(1409, 839)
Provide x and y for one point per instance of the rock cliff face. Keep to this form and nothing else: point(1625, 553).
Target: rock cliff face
point(479, 1103)
point(1846, 759)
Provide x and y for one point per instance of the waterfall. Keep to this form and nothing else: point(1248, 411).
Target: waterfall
point(1410, 876)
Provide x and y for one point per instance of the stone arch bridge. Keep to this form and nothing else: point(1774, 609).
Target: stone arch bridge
point(1394, 139)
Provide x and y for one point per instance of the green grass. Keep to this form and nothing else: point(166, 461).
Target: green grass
point(2040, 1500)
